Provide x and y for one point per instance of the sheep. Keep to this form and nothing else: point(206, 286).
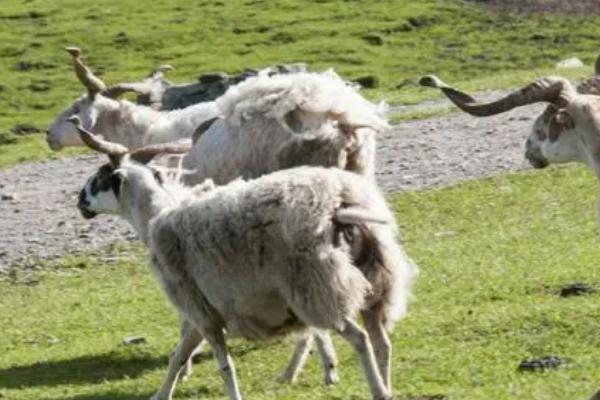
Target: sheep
point(268, 123)
point(567, 130)
point(298, 248)
point(123, 121)
point(274, 122)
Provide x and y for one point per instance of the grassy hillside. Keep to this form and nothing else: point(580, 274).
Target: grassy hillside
point(395, 40)
point(493, 256)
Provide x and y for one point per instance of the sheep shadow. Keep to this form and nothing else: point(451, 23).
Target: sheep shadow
point(96, 368)
point(86, 369)
point(196, 392)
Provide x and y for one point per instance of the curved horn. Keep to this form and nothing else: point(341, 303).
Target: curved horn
point(158, 72)
point(141, 88)
point(203, 127)
point(145, 154)
point(555, 90)
point(119, 89)
point(115, 151)
point(93, 84)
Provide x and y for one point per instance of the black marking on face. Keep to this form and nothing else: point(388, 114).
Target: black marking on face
point(103, 181)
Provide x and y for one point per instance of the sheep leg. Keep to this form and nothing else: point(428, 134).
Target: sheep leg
point(190, 339)
point(327, 355)
point(187, 368)
point(216, 339)
point(301, 352)
point(359, 340)
point(381, 345)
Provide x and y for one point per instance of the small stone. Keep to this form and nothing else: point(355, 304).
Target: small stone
point(8, 196)
point(541, 364)
point(134, 340)
point(53, 340)
point(373, 39)
point(368, 81)
point(572, 62)
point(576, 289)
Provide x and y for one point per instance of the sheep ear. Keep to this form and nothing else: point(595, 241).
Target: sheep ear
point(561, 122)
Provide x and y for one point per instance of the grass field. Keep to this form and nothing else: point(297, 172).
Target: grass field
point(493, 255)
point(394, 40)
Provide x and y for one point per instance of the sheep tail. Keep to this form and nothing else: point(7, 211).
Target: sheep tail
point(376, 251)
point(355, 215)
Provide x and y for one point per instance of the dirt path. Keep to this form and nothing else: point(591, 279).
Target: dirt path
point(39, 220)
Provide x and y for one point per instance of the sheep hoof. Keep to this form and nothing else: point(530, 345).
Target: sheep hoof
point(284, 377)
point(331, 378)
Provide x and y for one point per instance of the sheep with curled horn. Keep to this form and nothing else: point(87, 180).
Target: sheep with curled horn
point(122, 121)
point(265, 257)
point(102, 179)
point(567, 130)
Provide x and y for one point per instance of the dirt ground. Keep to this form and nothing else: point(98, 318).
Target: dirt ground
point(552, 6)
point(40, 221)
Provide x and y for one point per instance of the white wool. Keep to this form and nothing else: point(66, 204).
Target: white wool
point(276, 96)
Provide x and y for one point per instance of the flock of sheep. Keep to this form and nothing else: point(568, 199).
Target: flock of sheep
point(260, 209)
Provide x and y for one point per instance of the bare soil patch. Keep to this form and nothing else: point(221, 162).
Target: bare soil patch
point(545, 6)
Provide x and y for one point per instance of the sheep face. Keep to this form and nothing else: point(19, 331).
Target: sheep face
point(553, 139)
point(62, 133)
point(100, 193)
point(116, 190)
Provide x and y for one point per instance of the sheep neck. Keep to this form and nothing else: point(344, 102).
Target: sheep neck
point(145, 204)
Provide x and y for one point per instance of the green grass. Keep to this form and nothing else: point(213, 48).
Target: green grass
point(395, 40)
point(492, 253)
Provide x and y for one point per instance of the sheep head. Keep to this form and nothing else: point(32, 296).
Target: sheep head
point(103, 191)
point(99, 102)
point(553, 138)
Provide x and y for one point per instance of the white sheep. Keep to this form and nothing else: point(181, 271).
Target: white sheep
point(122, 121)
point(298, 248)
point(269, 123)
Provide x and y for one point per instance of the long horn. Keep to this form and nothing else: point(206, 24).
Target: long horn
point(555, 90)
point(93, 84)
point(145, 154)
point(159, 71)
point(141, 88)
point(119, 89)
point(115, 151)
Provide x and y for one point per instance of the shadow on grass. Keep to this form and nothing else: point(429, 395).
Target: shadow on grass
point(195, 392)
point(87, 369)
point(96, 369)
point(109, 396)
